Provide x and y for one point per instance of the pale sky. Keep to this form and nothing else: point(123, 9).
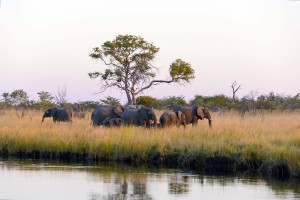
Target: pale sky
point(45, 44)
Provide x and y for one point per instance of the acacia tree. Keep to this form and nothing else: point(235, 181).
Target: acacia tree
point(19, 97)
point(46, 99)
point(127, 60)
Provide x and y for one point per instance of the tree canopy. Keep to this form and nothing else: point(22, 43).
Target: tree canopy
point(128, 66)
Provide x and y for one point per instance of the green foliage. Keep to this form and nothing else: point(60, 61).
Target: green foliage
point(271, 101)
point(128, 59)
point(45, 100)
point(170, 102)
point(109, 101)
point(201, 100)
point(89, 105)
point(210, 101)
point(45, 97)
point(126, 55)
point(5, 105)
point(181, 71)
point(147, 101)
point(6, 96)
point(5, 102)
point(19, 98)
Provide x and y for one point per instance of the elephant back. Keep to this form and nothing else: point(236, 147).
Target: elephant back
point(101, 113)
point(168, 118)
point(187, 111)
point(130, 116)
point(62, 114)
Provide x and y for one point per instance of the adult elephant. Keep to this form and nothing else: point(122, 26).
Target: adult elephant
point(169, 118)
point(59, 114)
point(194, 113)
point(101, 113)
point(139, 117)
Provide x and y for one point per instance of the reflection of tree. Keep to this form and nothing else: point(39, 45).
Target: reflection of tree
point(178, 184)
point(221, 180)
point(124, 188)
point(139, 188)
point(122, 192)
point(178, 188)
point(140, 191)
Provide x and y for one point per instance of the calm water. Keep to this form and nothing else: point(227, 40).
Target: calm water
point(52, 180)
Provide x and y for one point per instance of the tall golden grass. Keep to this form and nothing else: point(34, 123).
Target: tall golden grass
point(273, 137)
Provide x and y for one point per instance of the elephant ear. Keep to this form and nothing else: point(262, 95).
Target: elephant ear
point(200, 112)
point(118, 110)
point(143, 112)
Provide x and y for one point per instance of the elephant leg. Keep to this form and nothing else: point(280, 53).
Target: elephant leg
point(195, 121)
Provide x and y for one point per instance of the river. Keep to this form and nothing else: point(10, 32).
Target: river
point(36, 180)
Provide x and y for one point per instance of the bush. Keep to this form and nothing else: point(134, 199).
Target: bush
point(170, 102)
point(147, 101)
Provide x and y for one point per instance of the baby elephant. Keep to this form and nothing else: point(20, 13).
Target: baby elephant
point(169, 118)
point(112, 122)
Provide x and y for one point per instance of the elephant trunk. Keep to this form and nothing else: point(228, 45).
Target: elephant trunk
point(43, 118)
point(209, 122)
point(155, 121)
point(183, 121)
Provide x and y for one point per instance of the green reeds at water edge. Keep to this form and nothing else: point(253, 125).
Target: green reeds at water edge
point(259, 138)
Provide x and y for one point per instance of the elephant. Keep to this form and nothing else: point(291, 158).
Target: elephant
point(59, 114)
point(169, 118)
point(133, 106)
point(194, 113)
point(77, 108)
point(140, 117)
point(112, 122)
point(79, 115)
point(101, 113)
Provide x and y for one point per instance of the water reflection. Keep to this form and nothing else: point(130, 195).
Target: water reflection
point(94, 181)
point(178, 184)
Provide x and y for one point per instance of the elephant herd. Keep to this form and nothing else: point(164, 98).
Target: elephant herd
point(136, 115)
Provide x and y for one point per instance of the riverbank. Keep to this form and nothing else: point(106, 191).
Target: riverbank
point(265, 143)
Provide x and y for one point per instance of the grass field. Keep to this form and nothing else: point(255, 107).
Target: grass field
point(272, 137)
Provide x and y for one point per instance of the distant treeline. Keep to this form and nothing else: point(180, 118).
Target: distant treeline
point(252, 102)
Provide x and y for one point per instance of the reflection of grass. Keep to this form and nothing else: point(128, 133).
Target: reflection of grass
point(273, 137)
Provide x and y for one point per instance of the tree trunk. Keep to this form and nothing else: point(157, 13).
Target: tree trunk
point(129, 99)
point(133, 99)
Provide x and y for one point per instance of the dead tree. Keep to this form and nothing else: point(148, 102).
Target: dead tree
point(61, 96)
point(234, 90)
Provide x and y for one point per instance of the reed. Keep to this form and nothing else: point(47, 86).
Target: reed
point(272, 137)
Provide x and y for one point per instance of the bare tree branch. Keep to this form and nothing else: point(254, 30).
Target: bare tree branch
point(234, 90)
point(152, 83)
point(61, 96)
